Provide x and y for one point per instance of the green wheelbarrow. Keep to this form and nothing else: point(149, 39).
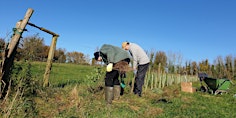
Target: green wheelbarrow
point(215, 86)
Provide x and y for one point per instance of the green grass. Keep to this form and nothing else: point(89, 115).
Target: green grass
point(69, 96)
point(62, 74)
point(200, 105)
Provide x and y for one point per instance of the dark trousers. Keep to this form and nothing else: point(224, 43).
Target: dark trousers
point(139, 79)
point(112, 78)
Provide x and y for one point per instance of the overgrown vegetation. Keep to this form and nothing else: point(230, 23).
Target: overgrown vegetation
point(21, 91)
point(76, 91)
point(95, 80)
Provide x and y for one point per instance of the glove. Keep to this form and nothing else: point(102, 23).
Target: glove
point(122, 84)
point(109, 67)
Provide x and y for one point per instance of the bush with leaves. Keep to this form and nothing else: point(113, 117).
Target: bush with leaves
point(95, 79)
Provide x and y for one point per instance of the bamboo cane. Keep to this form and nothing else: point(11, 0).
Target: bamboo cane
point(151, 81)
point(155, 80)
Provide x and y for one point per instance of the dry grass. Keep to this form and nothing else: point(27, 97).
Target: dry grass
point(153, 112)
point(50, 103)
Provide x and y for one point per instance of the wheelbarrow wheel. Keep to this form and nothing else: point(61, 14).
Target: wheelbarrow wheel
point(218, 92)
point(203, 89)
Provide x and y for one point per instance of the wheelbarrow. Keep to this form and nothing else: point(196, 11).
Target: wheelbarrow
point(214, 86)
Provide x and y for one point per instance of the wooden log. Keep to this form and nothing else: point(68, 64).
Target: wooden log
point(49, 61)
point(43, 29)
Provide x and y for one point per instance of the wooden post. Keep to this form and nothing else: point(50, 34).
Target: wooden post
point(19, 31)
point(43, 29)
point(50, 53)
point(10, 51)
point(49, 61)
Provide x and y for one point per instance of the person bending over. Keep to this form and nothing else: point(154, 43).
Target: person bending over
point(117, 60)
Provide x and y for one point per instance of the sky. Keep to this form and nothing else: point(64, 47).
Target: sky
point(195, 29)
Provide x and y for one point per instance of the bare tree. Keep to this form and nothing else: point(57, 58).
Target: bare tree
point(219, 66)
point(151, 55)
point(229, 66)
point(174, 61)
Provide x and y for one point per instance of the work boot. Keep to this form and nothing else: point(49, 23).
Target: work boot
point(109, 95)
point(116, 92)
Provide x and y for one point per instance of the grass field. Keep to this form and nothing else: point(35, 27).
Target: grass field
point(73, 93)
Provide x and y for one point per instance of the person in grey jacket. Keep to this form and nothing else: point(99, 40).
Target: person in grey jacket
point(113, 57)
point(140, 65)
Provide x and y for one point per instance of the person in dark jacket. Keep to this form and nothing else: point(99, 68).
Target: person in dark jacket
point(113, 57)
point(140, 65)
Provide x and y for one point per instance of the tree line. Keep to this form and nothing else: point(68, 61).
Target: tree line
point(172, 63)
point(33, 48)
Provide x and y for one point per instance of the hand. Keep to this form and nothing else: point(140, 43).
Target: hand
point(109, 67)
point(135, 72)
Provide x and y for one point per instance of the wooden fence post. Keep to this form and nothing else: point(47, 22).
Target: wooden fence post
point(10, 51)
point(18, 32)
point(49, 61)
